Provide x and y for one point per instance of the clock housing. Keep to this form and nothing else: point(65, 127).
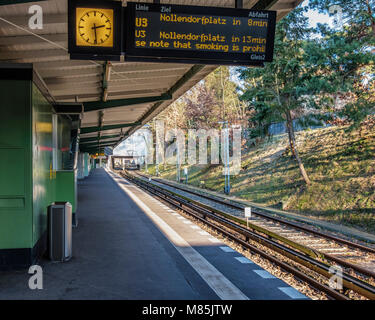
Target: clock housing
point(95, 29)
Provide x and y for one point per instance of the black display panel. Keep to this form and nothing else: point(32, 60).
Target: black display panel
point(192, 34)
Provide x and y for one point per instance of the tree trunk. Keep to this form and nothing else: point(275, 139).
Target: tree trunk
point(293, 147)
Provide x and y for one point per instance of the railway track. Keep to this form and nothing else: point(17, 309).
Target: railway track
point(348, 254)
point(275, 237)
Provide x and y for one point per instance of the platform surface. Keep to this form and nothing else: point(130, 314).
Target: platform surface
point(131, 246)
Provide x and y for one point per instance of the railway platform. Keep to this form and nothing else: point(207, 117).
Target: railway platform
point(129, 245)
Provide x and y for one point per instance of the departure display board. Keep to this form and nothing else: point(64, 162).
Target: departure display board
point(193, 34)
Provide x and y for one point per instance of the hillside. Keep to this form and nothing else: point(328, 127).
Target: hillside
point(340, 164)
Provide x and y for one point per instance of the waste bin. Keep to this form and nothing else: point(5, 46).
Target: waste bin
point(60, 231)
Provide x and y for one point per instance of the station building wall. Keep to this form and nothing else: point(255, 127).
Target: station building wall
point(29, 162)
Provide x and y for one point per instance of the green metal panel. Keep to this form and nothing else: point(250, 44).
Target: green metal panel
point(27, 181)
point(43, 184)
point(66, 187)
point(15, 164)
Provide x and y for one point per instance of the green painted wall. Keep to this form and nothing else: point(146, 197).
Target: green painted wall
point(66, 187)
point(15, 165)
point(43, 176)
point(28, 183)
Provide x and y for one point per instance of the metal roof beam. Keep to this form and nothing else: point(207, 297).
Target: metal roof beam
point(48, 19)
point(51, 73)
point(99, 105)
point(6, 2)
point(105, 143)
point(93, 150)
point(33, 55)
point(68, 108)
point(131, 68)
point(84, 140)
point(109, 127)
point(25, 40)
point(263, 4)
point(83, 148)
point(78, 91)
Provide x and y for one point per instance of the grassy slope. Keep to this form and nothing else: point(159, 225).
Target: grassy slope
point(340, 164)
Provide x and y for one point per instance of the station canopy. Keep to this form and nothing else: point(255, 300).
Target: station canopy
point(117, 97)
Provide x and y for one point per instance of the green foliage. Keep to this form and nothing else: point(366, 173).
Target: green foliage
point(285, 84)
point(344, 58)
point(331, 73)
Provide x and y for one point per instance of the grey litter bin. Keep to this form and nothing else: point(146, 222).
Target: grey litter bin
point(60, 231)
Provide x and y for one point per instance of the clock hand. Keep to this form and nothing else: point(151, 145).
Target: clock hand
point(97, 27)
point(96, 40)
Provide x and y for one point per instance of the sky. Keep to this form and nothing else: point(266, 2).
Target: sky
point(315, 17)
point(136, 141)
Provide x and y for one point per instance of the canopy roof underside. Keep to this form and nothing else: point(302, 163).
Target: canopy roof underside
point(145, 88)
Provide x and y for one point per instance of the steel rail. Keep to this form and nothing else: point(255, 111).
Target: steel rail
point(349, 282)
point(311, 252)
point(240, 206)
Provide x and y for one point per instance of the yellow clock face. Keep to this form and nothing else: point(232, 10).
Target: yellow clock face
point(94, 27)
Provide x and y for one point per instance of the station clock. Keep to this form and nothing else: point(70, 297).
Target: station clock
point(95, 29)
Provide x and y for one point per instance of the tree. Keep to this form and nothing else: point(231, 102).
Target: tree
point(232, 109)
point(359, 14)
point(280, 88)
point(345, 57)
point(202, 109)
